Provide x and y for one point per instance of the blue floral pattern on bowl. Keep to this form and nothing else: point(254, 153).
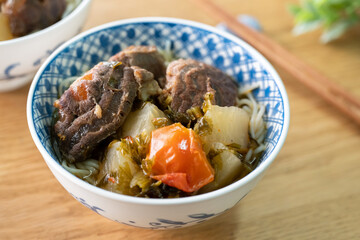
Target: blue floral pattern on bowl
point(186, 42)
point(159, 223)
point(7, 74)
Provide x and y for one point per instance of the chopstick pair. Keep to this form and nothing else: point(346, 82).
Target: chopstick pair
point(309, 77)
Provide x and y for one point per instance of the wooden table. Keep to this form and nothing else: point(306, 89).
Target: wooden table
point(312, 191)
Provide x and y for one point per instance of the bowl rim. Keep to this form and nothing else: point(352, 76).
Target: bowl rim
point(149, 201)
point(66, 19)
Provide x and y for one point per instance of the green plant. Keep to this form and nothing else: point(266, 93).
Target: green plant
point(334, 16)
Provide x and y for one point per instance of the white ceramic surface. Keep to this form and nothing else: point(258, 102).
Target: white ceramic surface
point(21, 57)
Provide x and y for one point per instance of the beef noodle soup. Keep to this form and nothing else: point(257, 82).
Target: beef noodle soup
point(140, 125)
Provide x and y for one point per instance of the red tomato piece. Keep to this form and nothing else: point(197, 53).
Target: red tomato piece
point(178, 159)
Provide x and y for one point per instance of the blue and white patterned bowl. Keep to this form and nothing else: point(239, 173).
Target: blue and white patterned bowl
point(189, 40)
point(21, 57)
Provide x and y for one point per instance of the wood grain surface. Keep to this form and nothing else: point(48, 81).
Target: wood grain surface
point(312, 190)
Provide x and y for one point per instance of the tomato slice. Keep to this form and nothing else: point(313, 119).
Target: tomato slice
point(178, 159)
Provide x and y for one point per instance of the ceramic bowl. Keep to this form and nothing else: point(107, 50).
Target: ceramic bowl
point(188, 40)
point(21, 57)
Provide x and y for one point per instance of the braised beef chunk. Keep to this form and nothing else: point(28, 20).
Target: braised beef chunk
point(187, 82)
point(93, 108)
point(146, 57)
point(26, 16)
